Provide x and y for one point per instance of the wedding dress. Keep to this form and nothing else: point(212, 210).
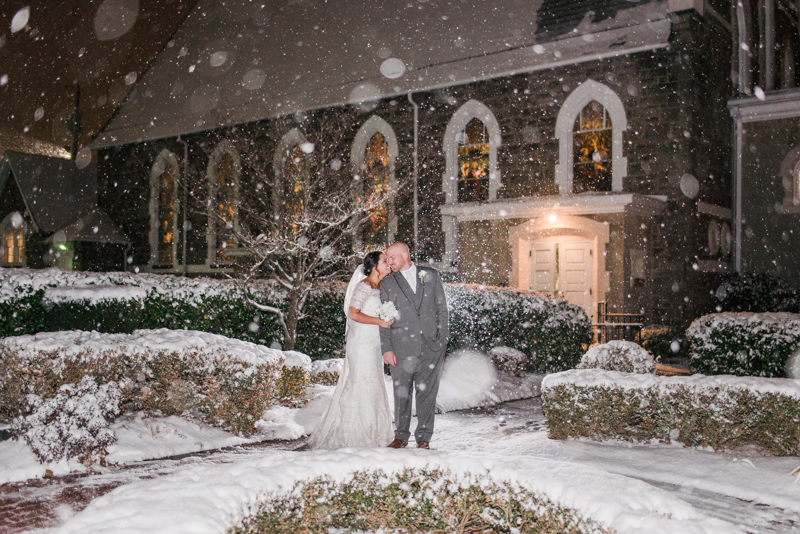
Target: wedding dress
point(358, 415)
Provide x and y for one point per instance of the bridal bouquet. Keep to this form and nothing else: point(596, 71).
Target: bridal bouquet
point(386, 311)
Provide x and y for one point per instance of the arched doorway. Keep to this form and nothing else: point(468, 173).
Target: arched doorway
point(562, 256)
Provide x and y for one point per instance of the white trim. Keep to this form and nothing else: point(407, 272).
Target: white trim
point(521, 238)
point(222, 148)
point(782, 104)
point(585, 204)
point(373, 125)
point(743, 46)
point(470, 110)
point(575, 102)
point(716, 211)
point(291, 139)
point(165, 158)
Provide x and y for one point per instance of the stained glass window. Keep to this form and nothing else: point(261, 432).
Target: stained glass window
point(166, 216)
point(592, 149)
point(473, 162)
point(294, 174)
point(376, 181)
point(226, 208)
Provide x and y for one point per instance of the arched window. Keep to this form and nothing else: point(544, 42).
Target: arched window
point(790, 176)
point(470, 149)
point(589, 131)
point(224, 169)
point(373, 154)
point(473, 162)
point(12, 232)
point(164, 179)
point(592, 149)
point(376, 181)
point(291, 177)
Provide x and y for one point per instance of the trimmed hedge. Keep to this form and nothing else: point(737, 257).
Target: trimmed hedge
point(552, 333)
point(413, 500)
point(718, 412)
point(743, 344)
point(228, 385)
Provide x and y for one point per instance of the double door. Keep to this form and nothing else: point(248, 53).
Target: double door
point(563, 267)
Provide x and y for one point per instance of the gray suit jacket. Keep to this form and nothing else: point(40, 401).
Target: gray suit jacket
point(423, 316)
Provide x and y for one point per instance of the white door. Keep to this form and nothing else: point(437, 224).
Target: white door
point(543, 267)
point(575, 273)
point(563, 268)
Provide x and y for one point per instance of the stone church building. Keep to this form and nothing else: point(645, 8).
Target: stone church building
point(621, 154)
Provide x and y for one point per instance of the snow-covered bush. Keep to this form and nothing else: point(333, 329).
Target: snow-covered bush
point(73, 424)
point(551, 332)
point(228, 383)
point(617, 355)
point(412, 500)
point(326, 372)
point(758, 293)
point(743, 344)
point(509, 360)
point(721, 412)
point(663, 342)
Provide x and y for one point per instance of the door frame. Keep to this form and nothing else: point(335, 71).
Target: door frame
point(598, 233)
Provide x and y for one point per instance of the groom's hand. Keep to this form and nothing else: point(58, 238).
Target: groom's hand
point(390, 359)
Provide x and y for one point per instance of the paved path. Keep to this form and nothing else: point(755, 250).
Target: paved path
point(40, 505)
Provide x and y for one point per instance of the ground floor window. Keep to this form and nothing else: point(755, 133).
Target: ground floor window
point(13, 240)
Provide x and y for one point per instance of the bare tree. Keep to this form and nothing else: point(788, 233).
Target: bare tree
point(303, 212)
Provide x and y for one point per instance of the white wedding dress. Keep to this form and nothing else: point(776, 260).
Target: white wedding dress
point(358, 415)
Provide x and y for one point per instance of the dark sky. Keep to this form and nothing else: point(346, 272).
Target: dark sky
point(48, 46)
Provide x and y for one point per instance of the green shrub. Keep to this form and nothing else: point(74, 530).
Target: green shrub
point(663, 342)
point(743, 344)
point(422, 500)
point(758, 293)
point(722, 413)
point(552, 333)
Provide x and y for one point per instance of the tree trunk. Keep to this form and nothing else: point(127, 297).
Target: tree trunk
point(292, 318)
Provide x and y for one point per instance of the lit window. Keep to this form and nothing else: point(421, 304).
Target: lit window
point(376, 182)
point(473, 162)
point(166, 216)
point(226, 208)
point(294, 175)
point(592, 149)
point(13, 244)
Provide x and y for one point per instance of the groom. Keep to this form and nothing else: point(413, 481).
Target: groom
point(415, 344)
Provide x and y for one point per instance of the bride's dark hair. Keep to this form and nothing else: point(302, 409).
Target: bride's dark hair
point(371, 261)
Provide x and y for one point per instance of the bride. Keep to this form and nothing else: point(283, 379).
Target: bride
point(359, 415)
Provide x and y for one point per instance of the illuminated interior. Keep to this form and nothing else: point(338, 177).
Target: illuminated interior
point(224, 236)
point(166, 217)
point(376, 181)
point(592, 149)
point(473, 162)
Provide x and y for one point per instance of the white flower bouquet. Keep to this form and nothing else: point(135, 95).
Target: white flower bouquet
point(386, 311)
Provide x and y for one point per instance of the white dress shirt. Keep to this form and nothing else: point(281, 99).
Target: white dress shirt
point(410, 275)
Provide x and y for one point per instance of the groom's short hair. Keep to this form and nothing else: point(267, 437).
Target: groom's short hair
point(402, 246)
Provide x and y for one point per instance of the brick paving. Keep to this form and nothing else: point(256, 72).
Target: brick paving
point(42, 503)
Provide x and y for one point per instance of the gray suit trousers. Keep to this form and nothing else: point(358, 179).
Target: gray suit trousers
point(422, 374)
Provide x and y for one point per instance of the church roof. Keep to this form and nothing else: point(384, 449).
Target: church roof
point(236, 61)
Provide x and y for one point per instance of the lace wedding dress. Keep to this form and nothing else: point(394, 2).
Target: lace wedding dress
point(358, 415)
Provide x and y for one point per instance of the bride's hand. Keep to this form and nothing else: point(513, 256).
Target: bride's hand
point(385, 324)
